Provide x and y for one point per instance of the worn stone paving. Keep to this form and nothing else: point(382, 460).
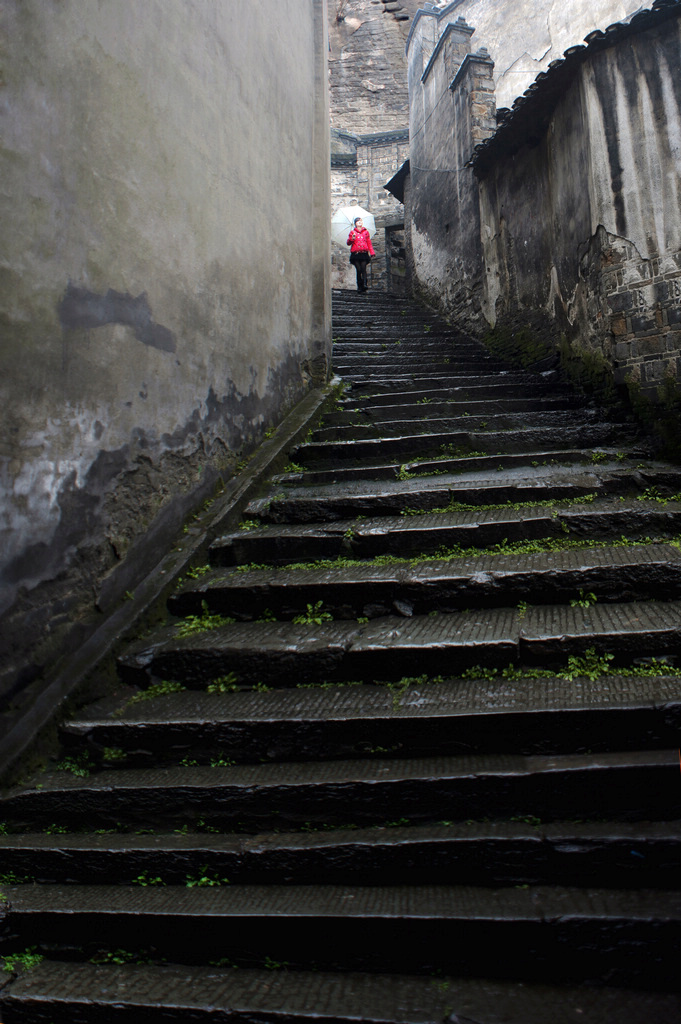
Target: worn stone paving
point(344, 782)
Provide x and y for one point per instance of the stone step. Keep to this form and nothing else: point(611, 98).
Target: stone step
point(279, 653)
point(610, 855)
point(367, 368)
point(438, 410)
point(510, 381)
point(462, 464)
point(450, 376)
point(400, 362)
point(629, 785)
point(428, 533)
point(87, 994)
point(402, 344)
point(496, 422)
point(645, 573)
point(491, 391)
point(524, 485)
point(392, 323)
point(462, 716)
point(539, 933)
point(418, 443)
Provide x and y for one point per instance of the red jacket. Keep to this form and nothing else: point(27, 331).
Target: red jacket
point(360, 241)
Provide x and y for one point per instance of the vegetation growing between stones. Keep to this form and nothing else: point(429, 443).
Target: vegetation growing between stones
point(539, 545)
point(517, 506)
point(203, 623)
point(160, 689)
point(26, 960)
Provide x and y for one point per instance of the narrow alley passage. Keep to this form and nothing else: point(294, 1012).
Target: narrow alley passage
point(406, 751)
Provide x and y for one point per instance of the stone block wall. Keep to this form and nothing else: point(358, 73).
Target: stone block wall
point(164, 281)
point(377, 158)
point(637, 304)
point(367, 65)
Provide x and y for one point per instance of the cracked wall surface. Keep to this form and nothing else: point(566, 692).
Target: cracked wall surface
point(164, 282)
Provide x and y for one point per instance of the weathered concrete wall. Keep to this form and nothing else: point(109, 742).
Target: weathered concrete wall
point(164, 281)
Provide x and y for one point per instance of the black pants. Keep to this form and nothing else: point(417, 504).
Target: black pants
point(361, 265)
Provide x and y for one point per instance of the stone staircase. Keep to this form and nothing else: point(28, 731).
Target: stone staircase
point(408, 750)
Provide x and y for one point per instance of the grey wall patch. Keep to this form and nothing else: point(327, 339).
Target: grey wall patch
point(82, 308)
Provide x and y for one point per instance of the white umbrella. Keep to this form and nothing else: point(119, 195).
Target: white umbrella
point(343, 221)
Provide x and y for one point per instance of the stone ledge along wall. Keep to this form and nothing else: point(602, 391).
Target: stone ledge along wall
point(567, 218)
point(164, 281)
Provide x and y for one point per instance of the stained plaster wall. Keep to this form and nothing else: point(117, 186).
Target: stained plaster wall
point(522, 40)
point(164, 280)
point(580, 226)
point(586, 226)
point(444, 126)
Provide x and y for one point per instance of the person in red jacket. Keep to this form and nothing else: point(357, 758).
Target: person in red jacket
point(361, 252)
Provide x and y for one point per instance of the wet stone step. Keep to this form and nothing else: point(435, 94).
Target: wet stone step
point(462, 716)
point(483, 390)
point(525, 484)
point(539, 933)
point(86, 994)
point(632, 785)
point(451, 376)
point(282, 654)
point(77, 993)
point(408, 346)
point(494, 423)
point(507, 381)
point(402, 373)
point(605, 854)
point(428, 533)
point(388, 363)
point(331, 453)
point(437, 410)
point(460, 464)
point(613, 574)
